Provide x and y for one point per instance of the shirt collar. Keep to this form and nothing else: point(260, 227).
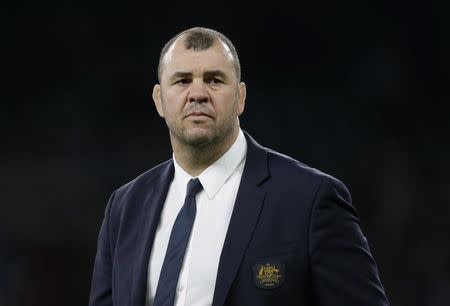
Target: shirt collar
point(215, 176)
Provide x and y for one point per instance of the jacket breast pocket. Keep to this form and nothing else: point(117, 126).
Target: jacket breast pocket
point(269, 265)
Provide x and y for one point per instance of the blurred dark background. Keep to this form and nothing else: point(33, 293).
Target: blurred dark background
point(359, 90)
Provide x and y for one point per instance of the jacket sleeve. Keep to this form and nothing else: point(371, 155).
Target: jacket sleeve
point(101, 286)
point(343, 269)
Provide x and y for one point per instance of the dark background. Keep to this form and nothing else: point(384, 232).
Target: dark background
point(358, 90)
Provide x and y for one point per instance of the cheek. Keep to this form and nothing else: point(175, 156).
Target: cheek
point(227, 103)
point(173, 105)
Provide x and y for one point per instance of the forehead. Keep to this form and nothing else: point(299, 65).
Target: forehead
point(178, 58)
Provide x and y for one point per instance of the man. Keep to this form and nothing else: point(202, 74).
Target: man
point(227, 221)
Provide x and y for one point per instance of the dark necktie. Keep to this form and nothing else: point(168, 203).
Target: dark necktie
point(179, 237)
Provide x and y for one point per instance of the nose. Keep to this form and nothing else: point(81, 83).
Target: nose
point(198, 92)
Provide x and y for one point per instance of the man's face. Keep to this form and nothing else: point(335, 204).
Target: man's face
point(199, 95)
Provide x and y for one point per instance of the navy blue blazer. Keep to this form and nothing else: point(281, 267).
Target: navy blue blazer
point(293, 239)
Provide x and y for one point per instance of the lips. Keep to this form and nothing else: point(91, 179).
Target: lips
point(197, 114)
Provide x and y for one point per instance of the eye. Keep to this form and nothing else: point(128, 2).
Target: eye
point(215, 81)
point(183, 81)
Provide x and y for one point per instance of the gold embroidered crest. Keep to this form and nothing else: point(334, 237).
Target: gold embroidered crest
point(268, 275)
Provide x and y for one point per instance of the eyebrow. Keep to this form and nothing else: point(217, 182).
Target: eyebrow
point(181, 75)
point(207, 74)
point(215, 73)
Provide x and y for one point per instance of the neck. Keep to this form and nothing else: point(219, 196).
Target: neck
point(195, 159)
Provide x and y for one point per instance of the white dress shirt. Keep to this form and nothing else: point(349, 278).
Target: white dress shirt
point(215, 204)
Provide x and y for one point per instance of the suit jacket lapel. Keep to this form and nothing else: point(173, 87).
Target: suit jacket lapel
point(249, 201)
point(150, 214)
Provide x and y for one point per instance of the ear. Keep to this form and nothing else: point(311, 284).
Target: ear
point(156, 95)
point(241, 98)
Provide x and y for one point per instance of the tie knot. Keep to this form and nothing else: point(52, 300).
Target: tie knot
point(193, 187)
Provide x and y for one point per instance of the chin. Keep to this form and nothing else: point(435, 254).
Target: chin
point(199, 137)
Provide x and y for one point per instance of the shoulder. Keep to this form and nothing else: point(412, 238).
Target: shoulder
point(283, 164)
point(146, 177)
point(295, 174)
point(288, 175)
point(140, 186)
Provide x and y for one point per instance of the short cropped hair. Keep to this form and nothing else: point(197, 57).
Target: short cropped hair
point(199, 39)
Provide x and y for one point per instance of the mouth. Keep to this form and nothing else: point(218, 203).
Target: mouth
point(198, 115)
